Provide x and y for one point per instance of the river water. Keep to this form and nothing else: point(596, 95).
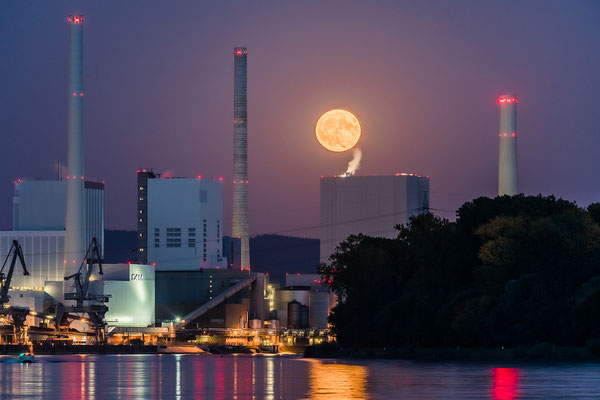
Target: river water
point(241, 377)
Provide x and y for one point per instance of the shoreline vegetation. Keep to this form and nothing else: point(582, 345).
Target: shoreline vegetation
point(539, 352)
point(515, 272)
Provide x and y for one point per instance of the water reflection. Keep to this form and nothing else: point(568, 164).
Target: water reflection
point(506, 381)
point(247, 377)
point(178, 376)
point(329, 381)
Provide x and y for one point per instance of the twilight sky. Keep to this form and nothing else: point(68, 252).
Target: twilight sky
point(422, 76)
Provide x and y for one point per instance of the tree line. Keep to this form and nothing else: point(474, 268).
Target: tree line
point(510, 271)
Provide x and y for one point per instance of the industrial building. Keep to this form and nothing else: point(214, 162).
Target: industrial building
point(39, 205)
point(371, 205)
point(59, 234)
point(39, 226)
point(304, 302)
point(507, 147)
point(180, 222)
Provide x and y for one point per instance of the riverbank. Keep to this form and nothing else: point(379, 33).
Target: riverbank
point(170, 348)
point(538, 352)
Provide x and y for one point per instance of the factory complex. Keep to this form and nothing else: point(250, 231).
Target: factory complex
point(189, 282)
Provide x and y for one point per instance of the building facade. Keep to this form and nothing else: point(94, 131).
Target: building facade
point(371, 205)
point(184, 224)
point(39, 205)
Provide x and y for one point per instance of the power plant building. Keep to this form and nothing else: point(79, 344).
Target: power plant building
point(39, 205)
point(39, 226)
point(507, 154)
point(182, 223)
point(371, 205)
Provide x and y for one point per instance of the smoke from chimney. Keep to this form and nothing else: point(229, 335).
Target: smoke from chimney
point(354, 163)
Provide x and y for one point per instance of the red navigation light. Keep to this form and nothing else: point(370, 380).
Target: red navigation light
point(238, 52)
point(508, 100)
point(221, 179)
point(217, 267)
point(77, 20)
point(154, 264)
point(128, 262)
point(199, 176)
point(514, 135)
point(81, 94)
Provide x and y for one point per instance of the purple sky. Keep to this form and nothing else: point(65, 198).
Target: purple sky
point(422, 76)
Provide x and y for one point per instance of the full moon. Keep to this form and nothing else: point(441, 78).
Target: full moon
point(338, 130)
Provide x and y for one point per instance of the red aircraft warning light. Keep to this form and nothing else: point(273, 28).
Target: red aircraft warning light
point(504, 100)
point(75, 20)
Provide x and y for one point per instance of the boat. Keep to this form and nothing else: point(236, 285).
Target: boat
point(26, 358)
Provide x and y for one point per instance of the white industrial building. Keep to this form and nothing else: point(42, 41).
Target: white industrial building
point(39, 205)
point(184, 224)
point(371, 205)
point(39, 226)
point(131, 288)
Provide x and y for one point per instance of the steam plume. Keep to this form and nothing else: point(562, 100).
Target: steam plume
point(354, 163)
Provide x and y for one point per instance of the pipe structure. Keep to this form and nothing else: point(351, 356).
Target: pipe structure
point(75, 245)
point(507, 157)
point(240, 154)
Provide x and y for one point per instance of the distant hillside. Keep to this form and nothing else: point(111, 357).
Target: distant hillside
point(274, 254)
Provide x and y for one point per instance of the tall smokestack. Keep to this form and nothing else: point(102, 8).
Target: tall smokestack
point(507, 160)
point(75, 214)
point(240, 154)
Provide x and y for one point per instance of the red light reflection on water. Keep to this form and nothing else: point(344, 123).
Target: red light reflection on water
point(506, 383)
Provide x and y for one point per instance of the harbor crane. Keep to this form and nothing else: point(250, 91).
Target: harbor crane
point(86, 302)
point(18, 314)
